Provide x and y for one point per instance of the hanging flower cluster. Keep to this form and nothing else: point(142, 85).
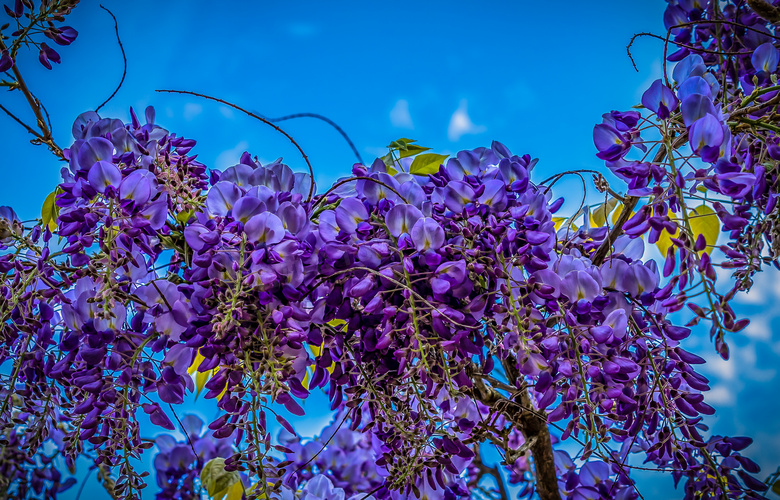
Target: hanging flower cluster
point(443, 305)
point(711, 140)
point(407, 297)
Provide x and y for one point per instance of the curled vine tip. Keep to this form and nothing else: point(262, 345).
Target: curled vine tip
point(124, 59)
point(256, 117)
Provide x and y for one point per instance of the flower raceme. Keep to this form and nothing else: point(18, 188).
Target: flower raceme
point(390, 293)
point(443, 310)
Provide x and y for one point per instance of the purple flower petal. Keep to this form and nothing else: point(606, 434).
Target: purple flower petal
point(402, 218)
point(221, 198)
point(265, 229)
point(660, 99)
point(427, 234)
point(765, 58)
point(350, 213)
point(103, 174)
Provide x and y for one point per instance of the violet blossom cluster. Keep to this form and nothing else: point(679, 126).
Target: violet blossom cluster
point(406, 297)
point(444, 310)
point(28, 20)
point(178, 463)
point(709, 139)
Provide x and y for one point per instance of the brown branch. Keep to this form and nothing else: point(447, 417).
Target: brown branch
point(681, 44)
point(124, 60)
point(326, 120)
point(765, 10)
point(45, 136)
point(629, 203)
point(533, 427)
point(256, 117)
point(20, 122)
point(757, 107)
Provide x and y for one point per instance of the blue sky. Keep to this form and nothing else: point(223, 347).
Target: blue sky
point(534, 76)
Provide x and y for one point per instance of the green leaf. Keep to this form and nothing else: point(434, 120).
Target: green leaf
point(216, 480)
point(401, 143)
point(403, 148)
point(184, 216)
point(412, 150)
point(704, 221)
point(427, 163)
point(50, 211)
point(776, 488)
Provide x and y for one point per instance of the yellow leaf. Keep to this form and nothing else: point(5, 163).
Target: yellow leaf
point(427, 163)
point(305, 381)
point(196, 363)
point(317, 351)
point(599, 213)
point(218, 482)
point(704, 221)
point(235, 492)
point(618, 211)
point(335, 323)
point(200, 380)
point(50, 211)
point(665, 240)
point(184, 216)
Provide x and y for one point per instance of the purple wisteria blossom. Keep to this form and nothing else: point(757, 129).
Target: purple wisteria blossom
point(445, 316)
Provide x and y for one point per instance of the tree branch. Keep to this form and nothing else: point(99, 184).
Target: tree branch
point(45, 137)
point(532, 425)
point(629, 203)
point(256, 117)
point(326, 120)
point(765, 10)
point(20, 122)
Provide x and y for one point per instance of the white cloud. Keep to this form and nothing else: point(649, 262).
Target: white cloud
point(461, 124)
point(231, 156)
point(399, 115)
point(720, 367)
point(747, 358)
point(720, 395)
point(226, 112)
point(741, 366)
point(760, 328)
point(191, 110)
